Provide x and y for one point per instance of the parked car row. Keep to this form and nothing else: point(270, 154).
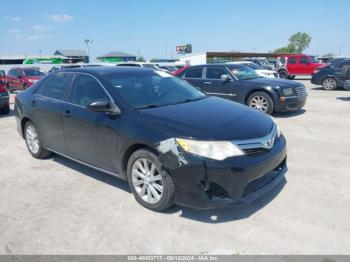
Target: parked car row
point(20, 78)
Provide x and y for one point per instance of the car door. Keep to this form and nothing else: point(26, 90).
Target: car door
point(343, 72)
point(194, 75)
point(292, 65)
point(214, 85)
point(91, 136)
point(305, 66)
point(47, 109)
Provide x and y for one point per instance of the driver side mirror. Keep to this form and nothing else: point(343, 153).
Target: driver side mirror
point(103, 105)
point(225, 78)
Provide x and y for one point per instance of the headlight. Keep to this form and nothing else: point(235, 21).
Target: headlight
point(277, 126)
point(288, 91)
point(218, 150)
point(30, 81)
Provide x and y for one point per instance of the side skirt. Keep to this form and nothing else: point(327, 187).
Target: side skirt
point(86, 164)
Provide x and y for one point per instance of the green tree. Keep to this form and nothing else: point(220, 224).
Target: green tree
point(298, 42)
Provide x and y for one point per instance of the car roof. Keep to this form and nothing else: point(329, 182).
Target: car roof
point(102, 70)
point(222, 65)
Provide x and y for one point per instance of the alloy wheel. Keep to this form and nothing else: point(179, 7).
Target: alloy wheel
point(32, 139)
point(147, 181)
point(259, 103)
point(329, 84)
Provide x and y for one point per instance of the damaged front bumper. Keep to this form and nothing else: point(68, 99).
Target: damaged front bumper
point(205, 183)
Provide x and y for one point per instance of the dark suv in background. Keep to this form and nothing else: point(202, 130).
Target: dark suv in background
point(241, 84)
point(333, 75)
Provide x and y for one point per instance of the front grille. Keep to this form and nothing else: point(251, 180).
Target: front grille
point(258, 145)
point(301, 93)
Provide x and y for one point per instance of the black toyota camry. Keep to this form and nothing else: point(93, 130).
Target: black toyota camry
point(171, 142)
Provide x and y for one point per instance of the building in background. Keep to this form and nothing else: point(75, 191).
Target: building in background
point(219, 57)
point(115, 57)
point(73, 56)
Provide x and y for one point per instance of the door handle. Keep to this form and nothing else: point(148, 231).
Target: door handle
point(33, 103)
point(207, 83)
point(67, 114)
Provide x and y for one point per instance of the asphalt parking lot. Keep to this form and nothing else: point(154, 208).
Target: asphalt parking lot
point(56, 206)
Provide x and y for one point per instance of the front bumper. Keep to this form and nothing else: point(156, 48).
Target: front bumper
point(289, 104)
point(205, 183)
point(316, 79)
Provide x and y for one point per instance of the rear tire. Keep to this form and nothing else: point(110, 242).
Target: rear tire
point(329, 83)
point(261, 101)
point(33, 141)
point(283, 74)
point(151, 185)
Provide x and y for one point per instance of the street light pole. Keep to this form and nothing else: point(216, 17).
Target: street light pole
point(339, 50)
point(88, 42)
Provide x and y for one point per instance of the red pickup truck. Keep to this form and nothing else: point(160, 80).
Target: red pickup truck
point(291, 65)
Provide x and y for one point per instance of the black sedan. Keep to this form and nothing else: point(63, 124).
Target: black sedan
point(241, 84)
point(333, 75)
point(170, 141)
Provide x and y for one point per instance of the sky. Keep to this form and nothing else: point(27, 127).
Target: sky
point(153, 28)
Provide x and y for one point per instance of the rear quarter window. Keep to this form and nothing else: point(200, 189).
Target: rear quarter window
point(55, 87)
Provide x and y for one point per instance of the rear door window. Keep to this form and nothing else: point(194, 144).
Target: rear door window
point(292, 60)
point(194, 73)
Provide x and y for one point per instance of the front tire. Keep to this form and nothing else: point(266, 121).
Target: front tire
point(329, 83)
point(151, 185)
point(261, 101)
point(34, 144)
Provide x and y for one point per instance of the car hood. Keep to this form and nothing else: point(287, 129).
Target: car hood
point(273, 82)
point(212, 118)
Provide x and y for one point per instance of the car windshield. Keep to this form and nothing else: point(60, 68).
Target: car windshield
point(153, 90)
point(313, 59)
point(244, 73)
point(33, 72)
point(252, 66)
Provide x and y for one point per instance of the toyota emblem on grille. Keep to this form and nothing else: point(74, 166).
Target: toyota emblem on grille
point(269, 142)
